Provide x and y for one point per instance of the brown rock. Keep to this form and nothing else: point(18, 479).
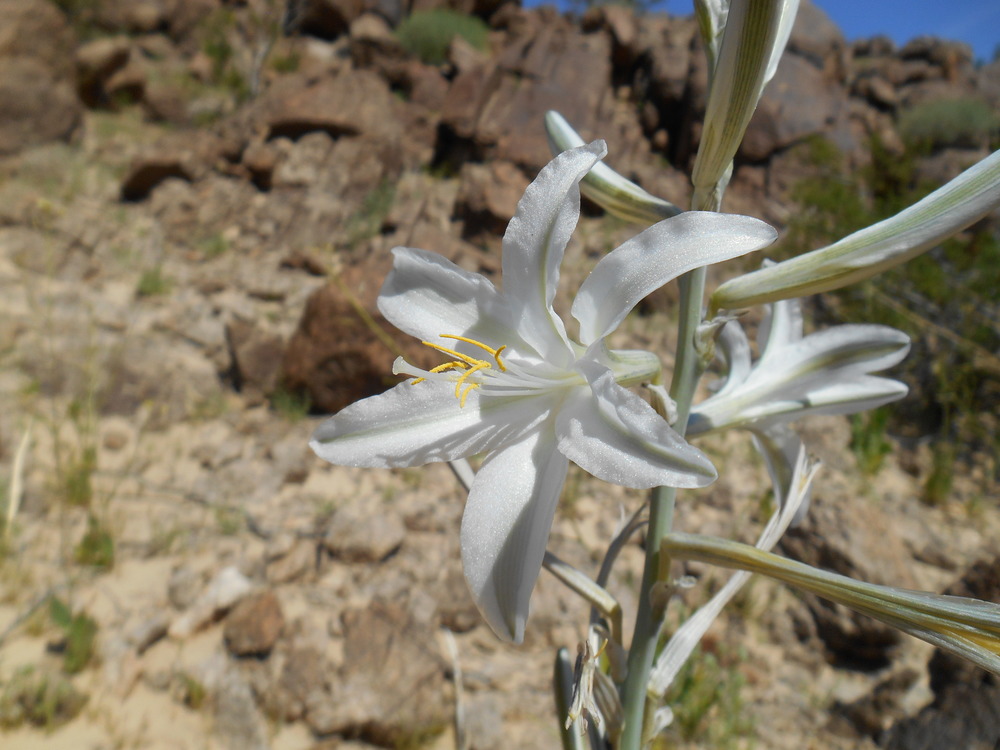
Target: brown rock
point(326, 19)
point(966, 708)
point(37, 77)
point(488, 196)
point(391, 686)
point(183, 16)
point(349, 103)
point(165, 102)
point(876, 90)
point(559, 69)
point(669, 44)
point(358, 535)
point(374, 45)
point(455, 607)
point(463, 56)
point(255, 356)
point(854, 538)
point(36, 29)
point(820, 41)
point(465, 98)
point(423, 85)
point(96, 62)
point(800, 101)
point(187, 155)
point(127, 84)
point(253, 627)
point(295, 564)
point(301, 683)
point(261, 159)
point(333, 355)
point(135, 16)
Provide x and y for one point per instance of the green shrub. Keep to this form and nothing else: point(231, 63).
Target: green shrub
point(80, 631)
point(38, 698)
point(967, 121)
point(427, 33)
point(375, 207)
point(707, 701)
point(868, 440)
point(152, 283)
point(97, 548)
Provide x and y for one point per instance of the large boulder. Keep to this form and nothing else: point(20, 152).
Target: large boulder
point(37, 76)
point(799, 102)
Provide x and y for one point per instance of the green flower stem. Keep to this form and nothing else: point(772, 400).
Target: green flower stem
point(661, 516)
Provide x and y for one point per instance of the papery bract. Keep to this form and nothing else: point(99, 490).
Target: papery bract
point(517, 388)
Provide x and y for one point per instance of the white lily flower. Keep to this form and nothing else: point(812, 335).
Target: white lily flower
point(869, 251)
point(828, 372)
point(518, 389)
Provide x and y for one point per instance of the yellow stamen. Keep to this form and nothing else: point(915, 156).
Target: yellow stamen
point(452, 353)
point(494, 352)
point(465, 394)
point(468, 365)
point(465, 377)
point(448, 366)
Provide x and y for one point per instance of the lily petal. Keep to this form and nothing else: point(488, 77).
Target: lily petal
point(533, 248)
point(616, 436)
point(426, 292)
point(506, 526)
point(782, 449)
point(657, 255)
point(734, 346)
point(782, 325)
point(840, 352)
point(411, 425)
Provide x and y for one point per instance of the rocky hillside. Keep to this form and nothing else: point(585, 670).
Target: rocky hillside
point(197, 199)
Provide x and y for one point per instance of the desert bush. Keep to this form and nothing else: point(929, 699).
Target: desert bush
point(966, 121)
point(428, 33)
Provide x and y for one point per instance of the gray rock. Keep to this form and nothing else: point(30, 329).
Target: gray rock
point(183, 586)
point(391, 685)
point(225, 590)
point(148, 631)
point(359, 535)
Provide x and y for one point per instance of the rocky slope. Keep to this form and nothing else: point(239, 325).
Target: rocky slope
point(195, 218)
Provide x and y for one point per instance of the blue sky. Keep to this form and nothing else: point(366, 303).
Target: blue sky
point(976, 22)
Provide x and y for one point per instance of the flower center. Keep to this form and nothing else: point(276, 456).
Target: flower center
point(465, 365)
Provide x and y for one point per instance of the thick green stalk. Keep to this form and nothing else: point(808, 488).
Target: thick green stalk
point(661, 515)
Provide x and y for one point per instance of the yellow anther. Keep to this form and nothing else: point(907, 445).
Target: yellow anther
point(452, 353)
point(496, 356)
point(448, 366)
point(468, 365)
point(495, 353)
